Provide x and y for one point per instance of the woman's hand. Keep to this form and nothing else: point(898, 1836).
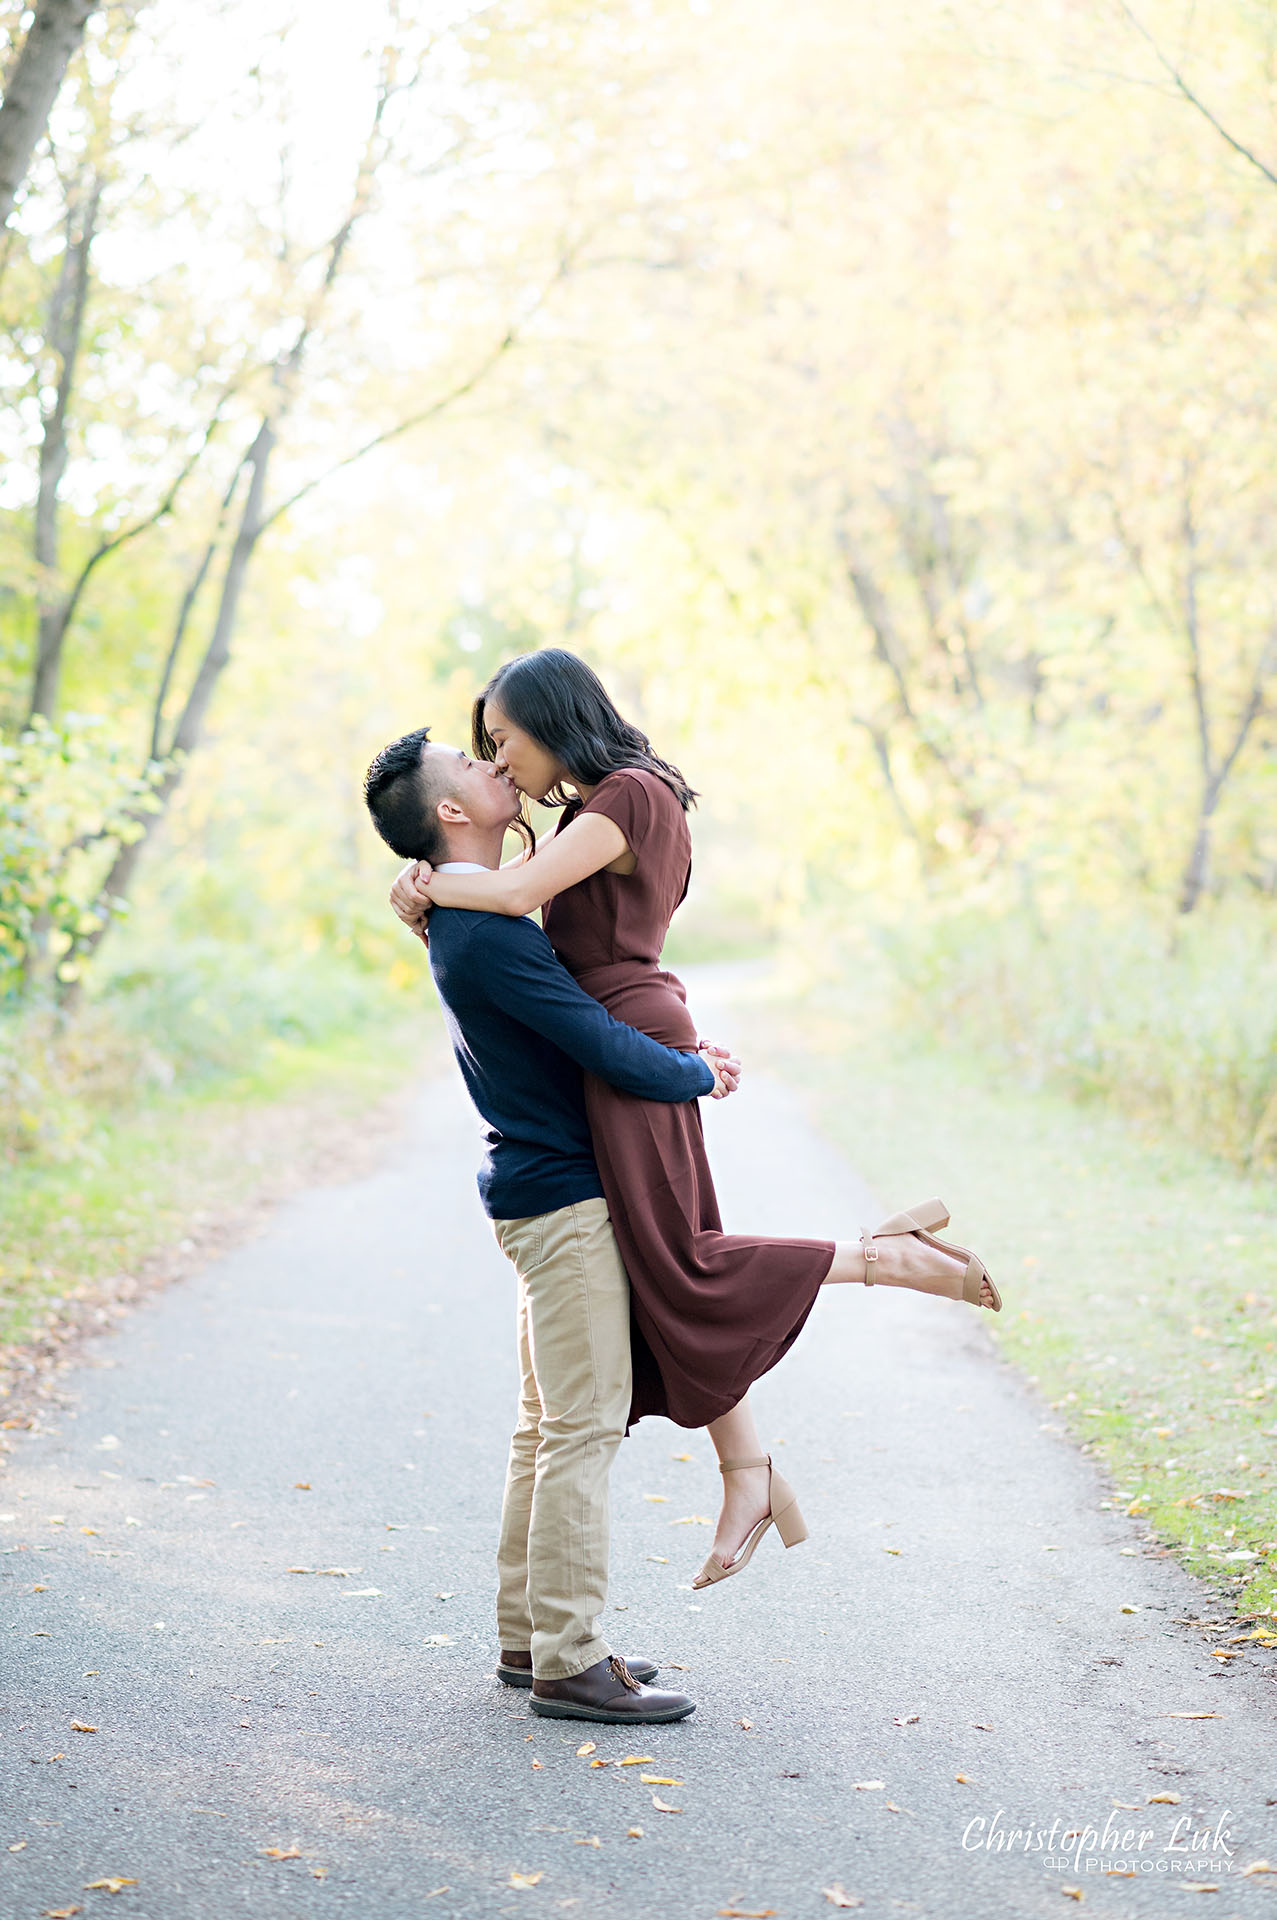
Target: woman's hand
point(409, 898)
point(724, 1066)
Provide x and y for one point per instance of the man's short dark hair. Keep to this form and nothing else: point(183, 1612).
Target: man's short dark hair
point(403, 791)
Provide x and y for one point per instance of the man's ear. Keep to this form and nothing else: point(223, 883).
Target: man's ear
point(452, 814)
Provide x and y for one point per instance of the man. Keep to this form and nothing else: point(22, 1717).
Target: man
point(522, 1031)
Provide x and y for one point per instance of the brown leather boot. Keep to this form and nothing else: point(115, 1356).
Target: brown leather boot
point(607, 1691)
point(516, 1669)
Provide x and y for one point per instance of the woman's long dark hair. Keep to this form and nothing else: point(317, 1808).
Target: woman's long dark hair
point(563, 705)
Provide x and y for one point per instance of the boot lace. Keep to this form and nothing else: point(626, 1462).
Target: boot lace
point(623, 1674)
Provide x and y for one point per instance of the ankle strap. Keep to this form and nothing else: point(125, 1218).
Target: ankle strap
point(759, 1460)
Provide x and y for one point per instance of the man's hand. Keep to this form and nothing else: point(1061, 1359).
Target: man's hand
point(409, 898)
point(724, 1067)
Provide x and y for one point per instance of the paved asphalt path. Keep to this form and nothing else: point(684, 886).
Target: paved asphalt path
point(946, 1660)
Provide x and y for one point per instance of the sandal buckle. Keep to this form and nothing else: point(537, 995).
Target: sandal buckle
point(870, 1252)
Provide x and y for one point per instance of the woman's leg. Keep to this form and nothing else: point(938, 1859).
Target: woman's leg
point(903, 1261)
point(735, 1437)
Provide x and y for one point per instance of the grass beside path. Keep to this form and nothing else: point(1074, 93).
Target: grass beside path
point(162, 1188)
point(1139, 1280)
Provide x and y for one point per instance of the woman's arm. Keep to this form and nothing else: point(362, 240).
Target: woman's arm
point(591, 842)
point(412, 903)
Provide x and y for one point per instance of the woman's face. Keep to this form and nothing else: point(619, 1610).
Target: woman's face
point(533, 770)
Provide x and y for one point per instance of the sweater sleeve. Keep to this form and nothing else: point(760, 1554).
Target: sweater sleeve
point(523, 976)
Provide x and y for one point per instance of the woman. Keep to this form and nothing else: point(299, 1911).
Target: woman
point(710, 1311)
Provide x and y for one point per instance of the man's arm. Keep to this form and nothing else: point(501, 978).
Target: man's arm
point(524, 978)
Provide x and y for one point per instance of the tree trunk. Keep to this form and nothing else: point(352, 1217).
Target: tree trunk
point(1197, 871)
point(187, 733)
point(54, 35)
point(218, 652)
point(66, 329)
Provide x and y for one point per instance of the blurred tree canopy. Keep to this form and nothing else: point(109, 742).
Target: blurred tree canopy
point(883, 399)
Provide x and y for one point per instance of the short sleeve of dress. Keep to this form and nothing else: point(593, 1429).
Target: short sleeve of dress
point(624, 797)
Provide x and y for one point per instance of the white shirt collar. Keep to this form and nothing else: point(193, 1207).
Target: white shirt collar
point(462, 866)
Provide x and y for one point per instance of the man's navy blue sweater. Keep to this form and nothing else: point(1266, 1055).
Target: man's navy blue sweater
point(522, 1031)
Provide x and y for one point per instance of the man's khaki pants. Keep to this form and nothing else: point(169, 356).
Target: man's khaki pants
point(574, 1358)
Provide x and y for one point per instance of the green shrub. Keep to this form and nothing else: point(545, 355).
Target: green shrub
point(1177, 1025)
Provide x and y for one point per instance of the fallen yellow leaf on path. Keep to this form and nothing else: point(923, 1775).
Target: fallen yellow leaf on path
point(82, 1726)
point(680, 1456)
point(746, 1913)
point(17, 1846)
point(1258, 1866)
point(638, 1760)
point(962, 1779)
point(634, 1833)
point(659, 1499)
point(593, 1841)
point(868, 1786)
point(59, 1913)
point(113, 1883)
point(660, 1780)
point(589, 1747)
point(747, 1724)
point(525, 1879)
point(600, 1763)
point(538, 1765)
point(692, 1520)
point(663, 1806)
point(1162, 1800)
point(838, 1896)
point(281, 1853)
point(895, 1550)
point(1200, 1886)
point(1194, 1716)
point(1073, 1893)
point(905, 1719)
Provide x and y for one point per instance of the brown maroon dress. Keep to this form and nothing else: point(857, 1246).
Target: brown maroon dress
point(709, 1311)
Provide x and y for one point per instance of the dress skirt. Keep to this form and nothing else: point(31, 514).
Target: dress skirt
point(709, 1311)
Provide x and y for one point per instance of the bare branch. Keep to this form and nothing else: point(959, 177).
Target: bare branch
point(401, 427)
point(165, 506)
point(877, 614)
point(1265, 667)
point(882, 753)
point(1195, 99)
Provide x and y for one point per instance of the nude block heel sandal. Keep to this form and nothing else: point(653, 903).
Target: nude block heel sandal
point(782, 1511)
point(922, 1221)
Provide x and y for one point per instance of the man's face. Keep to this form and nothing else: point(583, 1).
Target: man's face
point(487, 797)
